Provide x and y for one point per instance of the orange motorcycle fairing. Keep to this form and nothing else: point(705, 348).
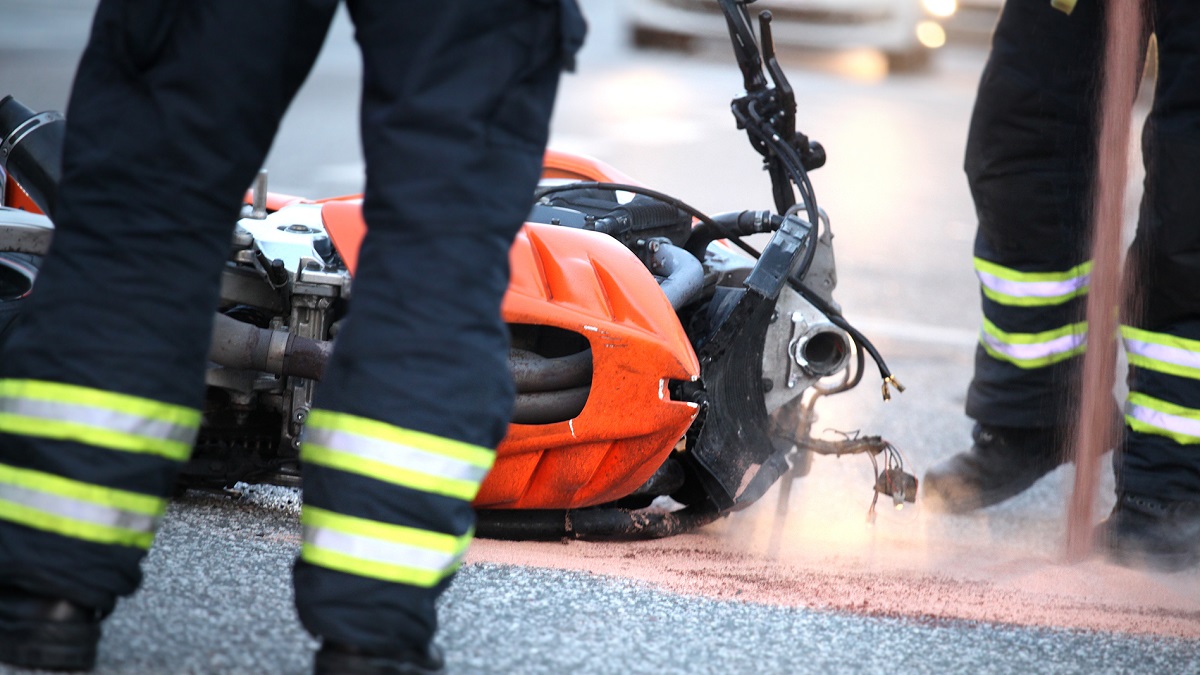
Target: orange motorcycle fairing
point(590, 284)
point(15, 197)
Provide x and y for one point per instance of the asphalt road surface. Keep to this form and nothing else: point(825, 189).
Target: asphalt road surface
point(217, 595)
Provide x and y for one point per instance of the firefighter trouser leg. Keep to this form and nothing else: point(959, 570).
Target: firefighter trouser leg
point(418, 393)
point(173, 109)
point(1030, 161)
point(103, 379)
point(1162, 457)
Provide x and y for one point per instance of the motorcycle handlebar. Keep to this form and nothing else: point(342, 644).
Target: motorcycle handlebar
point(745, 48)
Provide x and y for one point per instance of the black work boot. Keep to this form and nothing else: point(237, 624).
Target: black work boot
point(46, 633)
point(1003, 462)
point(1148, 532)
point(338, 659)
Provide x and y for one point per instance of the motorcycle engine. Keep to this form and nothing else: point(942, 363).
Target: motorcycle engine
point(285, 277)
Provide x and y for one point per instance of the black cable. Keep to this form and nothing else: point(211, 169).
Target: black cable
point(788, 154)
point(794, 167)
point(863, 342)
point(760, 128)
point(856, 376)
point(655, 194)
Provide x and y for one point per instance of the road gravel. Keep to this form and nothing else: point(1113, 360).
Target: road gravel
point(217, 599)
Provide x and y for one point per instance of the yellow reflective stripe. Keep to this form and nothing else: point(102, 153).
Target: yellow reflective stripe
point(368, 548)
point(434, 541)
point(1064, 6)
point(1076, 272)
point(1164, 339)
point(76, 509)
point(1032, 301)
point(1031, 289)
point(70, 527)
point(381, 451)
point(97, 398)
point(1034, 350)
point(1162, 366)
point(102, 438)
point(396, 574)
point(1040, 362)
point(103, 419)
point(342, 461)
point(473, 454)
point(1162, 352)
point(1149, 415)
point(86, 492)
point(1043, 337)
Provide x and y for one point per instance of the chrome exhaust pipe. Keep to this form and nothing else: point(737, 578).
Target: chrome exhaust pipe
point(31, 150)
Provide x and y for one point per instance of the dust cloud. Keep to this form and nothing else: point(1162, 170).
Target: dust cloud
point(1004, 565)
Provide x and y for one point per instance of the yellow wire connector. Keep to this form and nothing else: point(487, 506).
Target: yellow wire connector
point(1064, 6)
point(891, 379)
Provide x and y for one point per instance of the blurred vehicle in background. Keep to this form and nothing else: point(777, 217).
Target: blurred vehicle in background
point(906, 31)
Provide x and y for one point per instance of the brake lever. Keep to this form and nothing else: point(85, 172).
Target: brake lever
point(785, 97)
point(812, 155)
point(744, 46)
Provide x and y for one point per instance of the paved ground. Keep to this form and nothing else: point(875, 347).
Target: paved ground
point(217, 596)
point(216, 600)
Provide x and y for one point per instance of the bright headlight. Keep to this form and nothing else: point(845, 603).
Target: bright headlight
point(930, 34)
point(941, 8)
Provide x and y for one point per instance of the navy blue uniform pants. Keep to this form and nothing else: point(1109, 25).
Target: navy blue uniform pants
point(1030, 162)
point(173, 111)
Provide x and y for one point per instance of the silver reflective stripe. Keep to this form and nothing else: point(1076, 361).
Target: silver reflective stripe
point(1033, 289)
point(397, 455)
point(1164, 353)
point(1034, 352)
point(76, 509)
point(1176, 424)
point(379, 551)
point(101, 418)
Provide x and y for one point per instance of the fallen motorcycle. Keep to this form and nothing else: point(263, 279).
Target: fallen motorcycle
point(666, 371)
